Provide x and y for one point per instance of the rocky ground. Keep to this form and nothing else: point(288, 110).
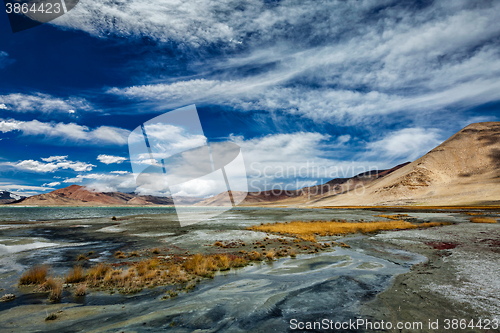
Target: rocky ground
point(459, 279)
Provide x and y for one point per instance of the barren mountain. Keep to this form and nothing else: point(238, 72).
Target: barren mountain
point(8, 197)
point(463, 170)
point(76, 195)
point(301, 196)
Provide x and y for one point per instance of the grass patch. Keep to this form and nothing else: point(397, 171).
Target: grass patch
point(309, 230)
point(56, 291)
point(81, 257)
point(393, 217)
point(77, 274)
point(483, 220)
point(81, 290)
point(120, 255)
point(35, 275)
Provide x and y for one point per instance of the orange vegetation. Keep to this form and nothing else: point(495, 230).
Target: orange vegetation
point(483, 220)
point(392, 217)
point(309, 230)
point(36, 275)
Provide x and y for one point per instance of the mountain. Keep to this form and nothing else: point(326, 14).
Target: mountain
point(8, 197)
point(76, 195)
point(463, 170)
point(304, 195)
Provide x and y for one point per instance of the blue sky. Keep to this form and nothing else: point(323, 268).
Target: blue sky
point(348, 86)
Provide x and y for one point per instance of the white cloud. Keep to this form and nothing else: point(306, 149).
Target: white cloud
point(55, 158)
point(37, 166)
point(3, 106)
point(120, 172)
point(109, 159)
point(445, 56)
point(23, 190)
point(68, 132)
point(409, 143)
point(93, 176)
point(53, 184)
point(43, 103)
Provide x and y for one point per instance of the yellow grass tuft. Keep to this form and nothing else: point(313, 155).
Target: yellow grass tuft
point(120, 255)
point(392, 217)
point(222, 262)
point(432, 224)
point(81, 257)
point(35, 275)
point(56, 291)
point(77, 274)
point(270, 255)
point(133, 254)
point(254, 255)
point(483, 220)
point(97, 272)
point(48, 285)
point(81, 290)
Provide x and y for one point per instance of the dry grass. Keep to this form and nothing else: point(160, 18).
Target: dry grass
point(308, 231)
point(81, 290)
point(474, 213)
point(120, 255)
point(200, 265)
point(56, 291)
point(48, 285)
point(96, 273)
point(81, 257)
point(392, 217)
point(483, 220)
point(254, 255)
point(133, 254)
point(77, 274)
point(270, 255)
point(432, 224)
point(35, 275)
point(222, 262)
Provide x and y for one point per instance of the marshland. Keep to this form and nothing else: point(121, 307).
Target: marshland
point(249, 269)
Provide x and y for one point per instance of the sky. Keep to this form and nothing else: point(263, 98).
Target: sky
point(310, 90)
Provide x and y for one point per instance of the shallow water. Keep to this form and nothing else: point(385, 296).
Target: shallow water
point(259, 298)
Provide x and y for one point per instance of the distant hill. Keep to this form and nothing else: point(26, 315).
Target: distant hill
point(463, 170)
point(76, 195)
point(304, 195)
point(9, 197)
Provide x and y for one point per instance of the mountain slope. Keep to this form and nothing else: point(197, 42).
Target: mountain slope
point(301, 196)
point(463, 170)
point(8, 197)
point(76, 195)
